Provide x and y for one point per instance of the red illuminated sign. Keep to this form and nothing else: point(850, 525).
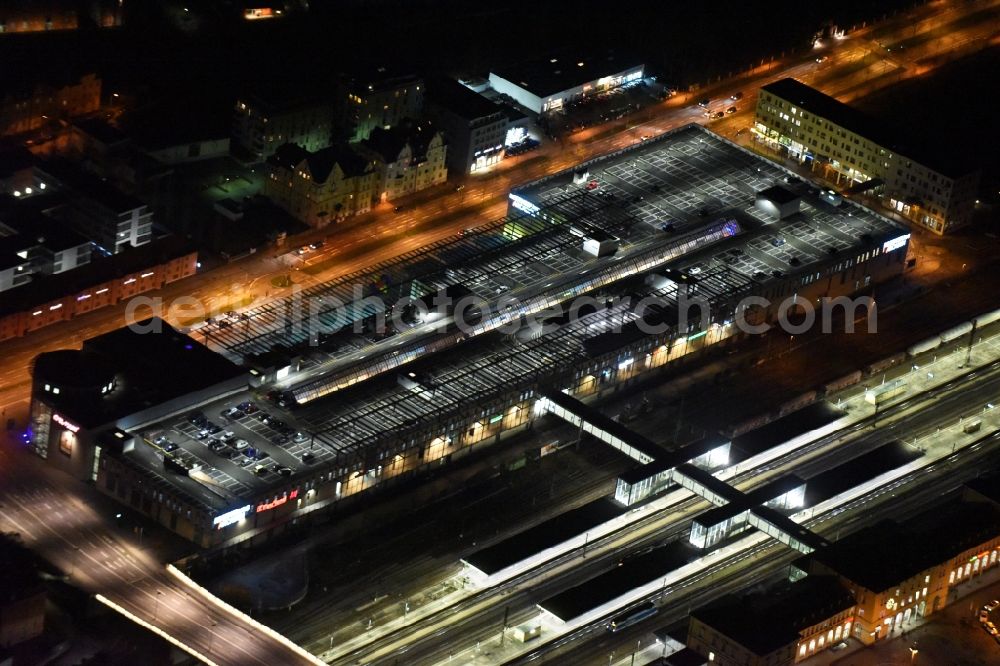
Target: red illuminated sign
point(278, 501)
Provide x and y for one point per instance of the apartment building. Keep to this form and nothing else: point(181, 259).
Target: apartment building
point(858, 151)
point(378, 99)
point(323, 186)
point(409, 158)
point(263, 123)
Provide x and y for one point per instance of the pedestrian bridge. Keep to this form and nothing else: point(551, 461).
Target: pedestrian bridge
point(685, 467)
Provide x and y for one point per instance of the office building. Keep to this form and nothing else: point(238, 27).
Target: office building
point(856, 151)
point(474, 127)
point(549, 84)
point(324, 186)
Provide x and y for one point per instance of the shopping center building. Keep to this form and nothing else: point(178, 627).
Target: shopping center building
point(549, 84)
point(581, 288)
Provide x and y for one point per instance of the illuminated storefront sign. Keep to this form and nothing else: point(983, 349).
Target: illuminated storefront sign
point(72, 427)
point(278, 501)
point(895, 243)
point(523, 204)
point(231, 517)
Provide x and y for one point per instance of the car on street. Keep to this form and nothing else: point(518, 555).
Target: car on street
point(704, 103)
point(736, 96)
point(227, 436)
point(241, 444)
point(307, 457)
point(993, 605)
point(717, 115)
point(260, 470)
point(231, 413)
point(196, 418)
point(731, 110)
point(283, 471)
point(247, 407)
point(821, 59)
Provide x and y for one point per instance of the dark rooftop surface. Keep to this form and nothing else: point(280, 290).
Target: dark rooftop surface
point(886, 554)
point(562, 71)
point(26, 217)
point(987, 485)
point(632, 573)
point(19, 575)
point(460, 100)
point(778, 194)
point(685, 657)
point(771, 620)
point(871, 128)
point(388, 143)
point(14, 158)
point(150, 368)
point(546, 534)
point(321, 162)
point(377, 79)
point(170, 124)
point(89, 187)
point(787, 427)
point(100, 129)
point(857, 471)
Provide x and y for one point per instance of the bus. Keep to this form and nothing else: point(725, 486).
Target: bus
point(637, 614)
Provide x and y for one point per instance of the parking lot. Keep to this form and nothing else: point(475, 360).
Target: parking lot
point(236, 451)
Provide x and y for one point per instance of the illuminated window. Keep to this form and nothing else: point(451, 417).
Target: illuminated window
point(812, 645)
point(802, 650)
